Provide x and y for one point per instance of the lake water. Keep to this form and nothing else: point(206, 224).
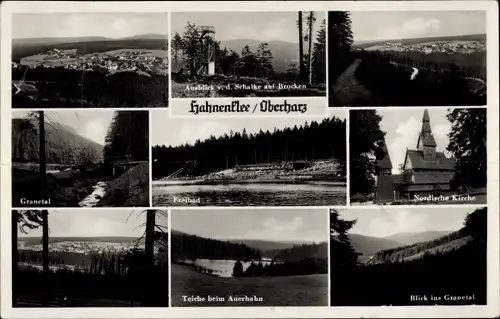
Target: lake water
point(220, 267)
point(249, 195)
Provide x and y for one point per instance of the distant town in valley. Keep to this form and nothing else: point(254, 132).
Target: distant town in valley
point(427, 70)
point(111, 260)
point(119, 71)
point(144, 62)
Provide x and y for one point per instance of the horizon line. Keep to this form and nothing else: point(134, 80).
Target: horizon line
point(422, 37)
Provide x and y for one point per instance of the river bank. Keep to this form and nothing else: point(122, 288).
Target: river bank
point(180, 182)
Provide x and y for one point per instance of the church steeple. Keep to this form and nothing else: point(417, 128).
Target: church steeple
point(426, 142)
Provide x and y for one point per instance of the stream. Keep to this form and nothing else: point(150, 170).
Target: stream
point(96, 195)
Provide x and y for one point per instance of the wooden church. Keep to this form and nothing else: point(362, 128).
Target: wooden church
point(425, 171)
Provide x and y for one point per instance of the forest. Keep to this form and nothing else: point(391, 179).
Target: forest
point(467, 144)
point(304, 259)
point(299, 267)
point(60, 87)
point(314, 140)
point(189, 57)
point(21, 50)
point(439, 267)
point(107, 278)
point(63, 145)
point(380, 78)
point(185, 246)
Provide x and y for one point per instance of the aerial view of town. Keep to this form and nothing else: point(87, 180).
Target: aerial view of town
point(459, 46)
point(125, 67)
point(144, 62)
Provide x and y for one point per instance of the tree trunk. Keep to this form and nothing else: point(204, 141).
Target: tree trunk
point(301, 51)
point(309, 58)
point(149, 257)
point(45, 248)
point(14, 240)
point(41, 136)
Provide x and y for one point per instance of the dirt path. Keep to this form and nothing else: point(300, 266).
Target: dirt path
point(349, 91)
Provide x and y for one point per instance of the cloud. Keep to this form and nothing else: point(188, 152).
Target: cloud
point(411, 28)
point(275, 229)
point(390, 222)
point(406, 136)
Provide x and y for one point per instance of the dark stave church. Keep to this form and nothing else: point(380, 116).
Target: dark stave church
point(426, 171)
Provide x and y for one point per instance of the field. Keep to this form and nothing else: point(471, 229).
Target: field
point(310, 290)
point(20, 51)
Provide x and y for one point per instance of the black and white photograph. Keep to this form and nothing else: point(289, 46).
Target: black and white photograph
point(89, 60)
point(407, 58)
point(417, 156)
point(80, 159)
point(408, 256)
point(90, 258)
point(245, 54)
point(249, 257)
point(249, 161)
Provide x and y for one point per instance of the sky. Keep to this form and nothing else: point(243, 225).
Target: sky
point(174, 132)
point(112, 25)
point(96, 223)
point(403, 126)
point(90, 124)
point(306, 225)
point(384, 222)
point(264, 26)
point(395, 25)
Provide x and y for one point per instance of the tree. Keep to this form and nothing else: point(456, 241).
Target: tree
point(265, 59)
point(366, 142)
point(127, 136)
point(318, 65)
point(238, 269)
point(302, 72)
point(177, 47)
point(476, 224)
point(467, 143)
point(340, 41)
point(311, 19)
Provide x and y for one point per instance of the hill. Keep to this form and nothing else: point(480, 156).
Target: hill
point(26, 47)
point(468, 37)
point(61, 140)
point(368, 246)
point(264, 245)
point(52, 240)
point(437, 246)
point(299, 252)
point(284, 53)
point(186, 245)
point(412, 238)
point(52, 41)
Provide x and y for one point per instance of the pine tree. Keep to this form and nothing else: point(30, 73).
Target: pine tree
point(318, 65)
point(467, 143)
point(340, 40)
point(369, 139)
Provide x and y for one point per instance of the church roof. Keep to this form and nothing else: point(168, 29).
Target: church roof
point(385, 161)
point(417, 161)
point(426, 132)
